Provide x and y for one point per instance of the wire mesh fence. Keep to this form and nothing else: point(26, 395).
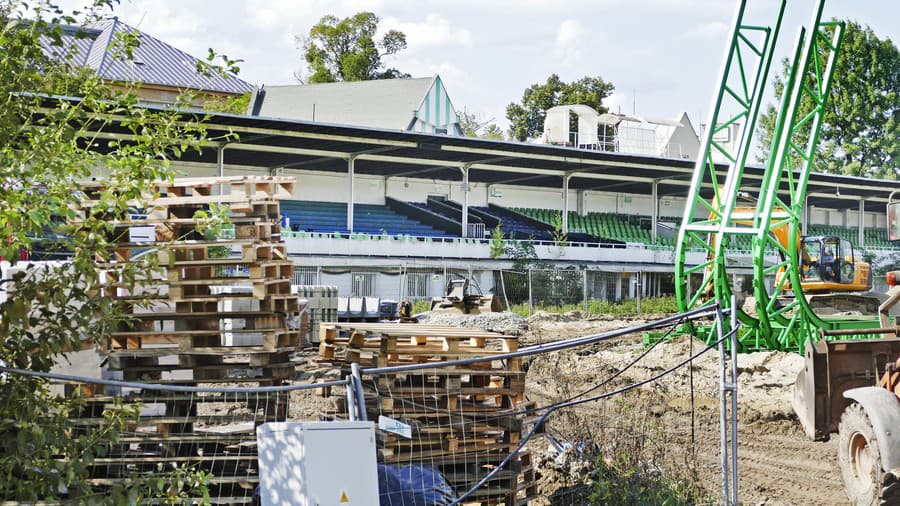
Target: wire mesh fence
point(169, 442)
point(577, 288)
point(454, 401)
point(473, 412)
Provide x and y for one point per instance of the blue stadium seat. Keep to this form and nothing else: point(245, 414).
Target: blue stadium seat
point(331, 217)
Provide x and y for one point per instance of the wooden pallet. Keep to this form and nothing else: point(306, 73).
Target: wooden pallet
point(463, 419)
point(203, 321)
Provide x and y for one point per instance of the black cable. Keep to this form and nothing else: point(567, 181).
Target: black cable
point(569, 404)
point(527, 411)
point(630, 364)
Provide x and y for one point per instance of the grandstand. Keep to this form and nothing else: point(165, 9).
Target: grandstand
point(357, 186)
point(520, 223)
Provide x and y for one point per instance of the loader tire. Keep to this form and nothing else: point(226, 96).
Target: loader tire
point(859, 458)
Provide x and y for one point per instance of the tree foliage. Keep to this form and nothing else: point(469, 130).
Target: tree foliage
point(47, 147)
point(861, 127)
point(526, 118)
point(346, 50)
point(473, 126)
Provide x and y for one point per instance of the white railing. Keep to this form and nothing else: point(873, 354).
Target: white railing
point(386, 246)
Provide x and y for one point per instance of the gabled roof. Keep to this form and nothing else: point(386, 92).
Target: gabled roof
point(383, 103)
point(154, 61)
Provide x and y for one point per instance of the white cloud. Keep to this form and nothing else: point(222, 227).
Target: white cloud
point(618, 102)
point(435, 30)
point(709, 30)
point(569, 40)
point(453, 75)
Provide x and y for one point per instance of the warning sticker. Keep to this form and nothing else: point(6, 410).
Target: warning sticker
point(344, 497)
point(395, 426)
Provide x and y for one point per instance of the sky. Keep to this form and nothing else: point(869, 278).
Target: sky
point(663, 56)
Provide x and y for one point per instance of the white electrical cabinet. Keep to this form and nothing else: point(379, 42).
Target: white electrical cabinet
point(317, 463)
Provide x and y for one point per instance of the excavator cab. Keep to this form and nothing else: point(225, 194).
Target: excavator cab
point(828, 259)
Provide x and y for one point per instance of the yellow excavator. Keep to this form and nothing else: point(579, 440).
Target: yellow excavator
point(833, 278)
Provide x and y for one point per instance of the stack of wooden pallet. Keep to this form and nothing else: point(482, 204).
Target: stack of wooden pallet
point(219, 312)
point(461, 420)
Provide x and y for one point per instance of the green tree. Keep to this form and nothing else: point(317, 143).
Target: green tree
point(526, 118)
point(861, 127)
point(346, 50)
point(498, 242)
point(46, 148)
point(560, 237)
point(473, 126)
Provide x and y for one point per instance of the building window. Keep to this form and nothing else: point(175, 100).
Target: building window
point(417, 285)
point(363, 284)
point(306, 276)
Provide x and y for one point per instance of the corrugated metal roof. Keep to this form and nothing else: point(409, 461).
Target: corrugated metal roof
point(154, 61)
point(384, 103)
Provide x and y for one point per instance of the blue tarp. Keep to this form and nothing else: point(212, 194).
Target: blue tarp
point(412, 486)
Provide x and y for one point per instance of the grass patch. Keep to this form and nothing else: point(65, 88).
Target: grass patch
point(652, 305)
point(421, 306)
point(623, 480)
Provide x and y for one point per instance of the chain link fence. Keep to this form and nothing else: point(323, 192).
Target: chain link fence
point(577, 288)
point(531, 289)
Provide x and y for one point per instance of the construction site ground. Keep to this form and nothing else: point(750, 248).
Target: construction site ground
point(777, 463)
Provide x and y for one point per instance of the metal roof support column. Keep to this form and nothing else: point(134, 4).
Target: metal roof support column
point(565, 211)
point(654, 208)
point(862, 222)
point(465, 203)
point(351, 163)
point(220, 160)
point(804, 226)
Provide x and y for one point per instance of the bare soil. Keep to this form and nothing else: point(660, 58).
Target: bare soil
point(777, 464)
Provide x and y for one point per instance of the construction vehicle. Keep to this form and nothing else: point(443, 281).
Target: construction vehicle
point(458, 300)
point(833, 279)
point(851, 387)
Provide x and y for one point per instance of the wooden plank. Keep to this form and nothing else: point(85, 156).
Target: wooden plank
point(417, 329)
point(201, 350)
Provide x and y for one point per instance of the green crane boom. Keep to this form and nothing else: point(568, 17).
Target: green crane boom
point(783, 319)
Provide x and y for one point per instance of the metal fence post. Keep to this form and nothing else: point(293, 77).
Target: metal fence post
point(584, 288)
point(723, 408)
point(356, 385)
point(734, 406)
point(638, 289)
point(530, 299)
point(503, 287)
point(351, 401)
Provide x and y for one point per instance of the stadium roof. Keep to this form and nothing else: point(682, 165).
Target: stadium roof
point(269, 144)
point(153, 61)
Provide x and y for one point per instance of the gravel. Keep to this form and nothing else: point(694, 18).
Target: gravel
point(505, 323)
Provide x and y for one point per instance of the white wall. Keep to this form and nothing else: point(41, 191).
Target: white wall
point(685, 140)
point(520, 196)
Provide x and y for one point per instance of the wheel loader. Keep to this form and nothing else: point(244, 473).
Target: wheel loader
point(851, 387)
